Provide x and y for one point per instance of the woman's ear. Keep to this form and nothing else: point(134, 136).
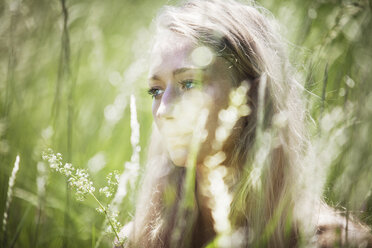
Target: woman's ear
point(256, 81)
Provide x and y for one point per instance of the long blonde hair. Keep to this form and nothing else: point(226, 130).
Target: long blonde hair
point(245, 35)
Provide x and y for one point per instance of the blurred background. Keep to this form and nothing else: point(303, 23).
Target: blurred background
point(68, 69)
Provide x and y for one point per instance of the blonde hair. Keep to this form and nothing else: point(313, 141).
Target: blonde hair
point(246, 36)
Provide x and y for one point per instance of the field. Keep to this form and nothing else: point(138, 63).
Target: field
point(73, 77)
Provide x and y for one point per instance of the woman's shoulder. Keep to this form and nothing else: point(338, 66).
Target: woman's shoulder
point(336, 230)
point(334, 235)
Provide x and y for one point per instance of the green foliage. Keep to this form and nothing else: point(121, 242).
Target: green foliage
point(68, 68)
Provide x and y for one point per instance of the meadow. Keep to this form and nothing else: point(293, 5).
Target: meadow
point(73, 77)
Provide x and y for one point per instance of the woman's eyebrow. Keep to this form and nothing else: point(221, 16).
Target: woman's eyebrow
point(154, 78)
point(178, 71)
point(184, 69)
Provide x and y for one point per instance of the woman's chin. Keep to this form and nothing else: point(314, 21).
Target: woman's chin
point(178, 156)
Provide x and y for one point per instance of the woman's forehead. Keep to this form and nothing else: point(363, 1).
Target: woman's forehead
point(168, 43)
point(171, 52)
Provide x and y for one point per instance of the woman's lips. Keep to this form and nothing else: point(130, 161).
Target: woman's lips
point(178, 141)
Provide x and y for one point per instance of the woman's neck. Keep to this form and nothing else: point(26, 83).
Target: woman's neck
point(203, 231)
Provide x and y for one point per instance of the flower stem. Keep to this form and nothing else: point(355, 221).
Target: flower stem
point(107, 216)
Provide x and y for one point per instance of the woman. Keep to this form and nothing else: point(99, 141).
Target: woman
point(229, 143)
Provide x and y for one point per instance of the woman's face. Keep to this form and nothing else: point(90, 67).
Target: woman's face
point(183, 80)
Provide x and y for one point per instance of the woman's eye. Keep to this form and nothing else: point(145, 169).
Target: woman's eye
point(155, 92)
point(188, 84)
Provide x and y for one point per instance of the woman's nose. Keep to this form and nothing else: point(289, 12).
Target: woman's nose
point(167, 104)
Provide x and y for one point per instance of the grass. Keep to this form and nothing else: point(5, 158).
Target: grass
point(69, 68)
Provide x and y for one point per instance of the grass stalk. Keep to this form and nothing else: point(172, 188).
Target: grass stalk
point(324, 92)
point(64, 75)
point(107, 216)
point(20, 226)
point(9, 199)
point(11, 65)
point(93, 236)
point(183, 229)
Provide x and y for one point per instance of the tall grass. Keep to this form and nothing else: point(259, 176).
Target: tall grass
point(9, 198)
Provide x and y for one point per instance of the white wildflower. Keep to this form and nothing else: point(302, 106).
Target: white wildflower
point(78, 180)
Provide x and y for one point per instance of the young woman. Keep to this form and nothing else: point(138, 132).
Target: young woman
point(229, 146)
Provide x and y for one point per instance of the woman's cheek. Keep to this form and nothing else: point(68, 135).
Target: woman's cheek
point(155, 107)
